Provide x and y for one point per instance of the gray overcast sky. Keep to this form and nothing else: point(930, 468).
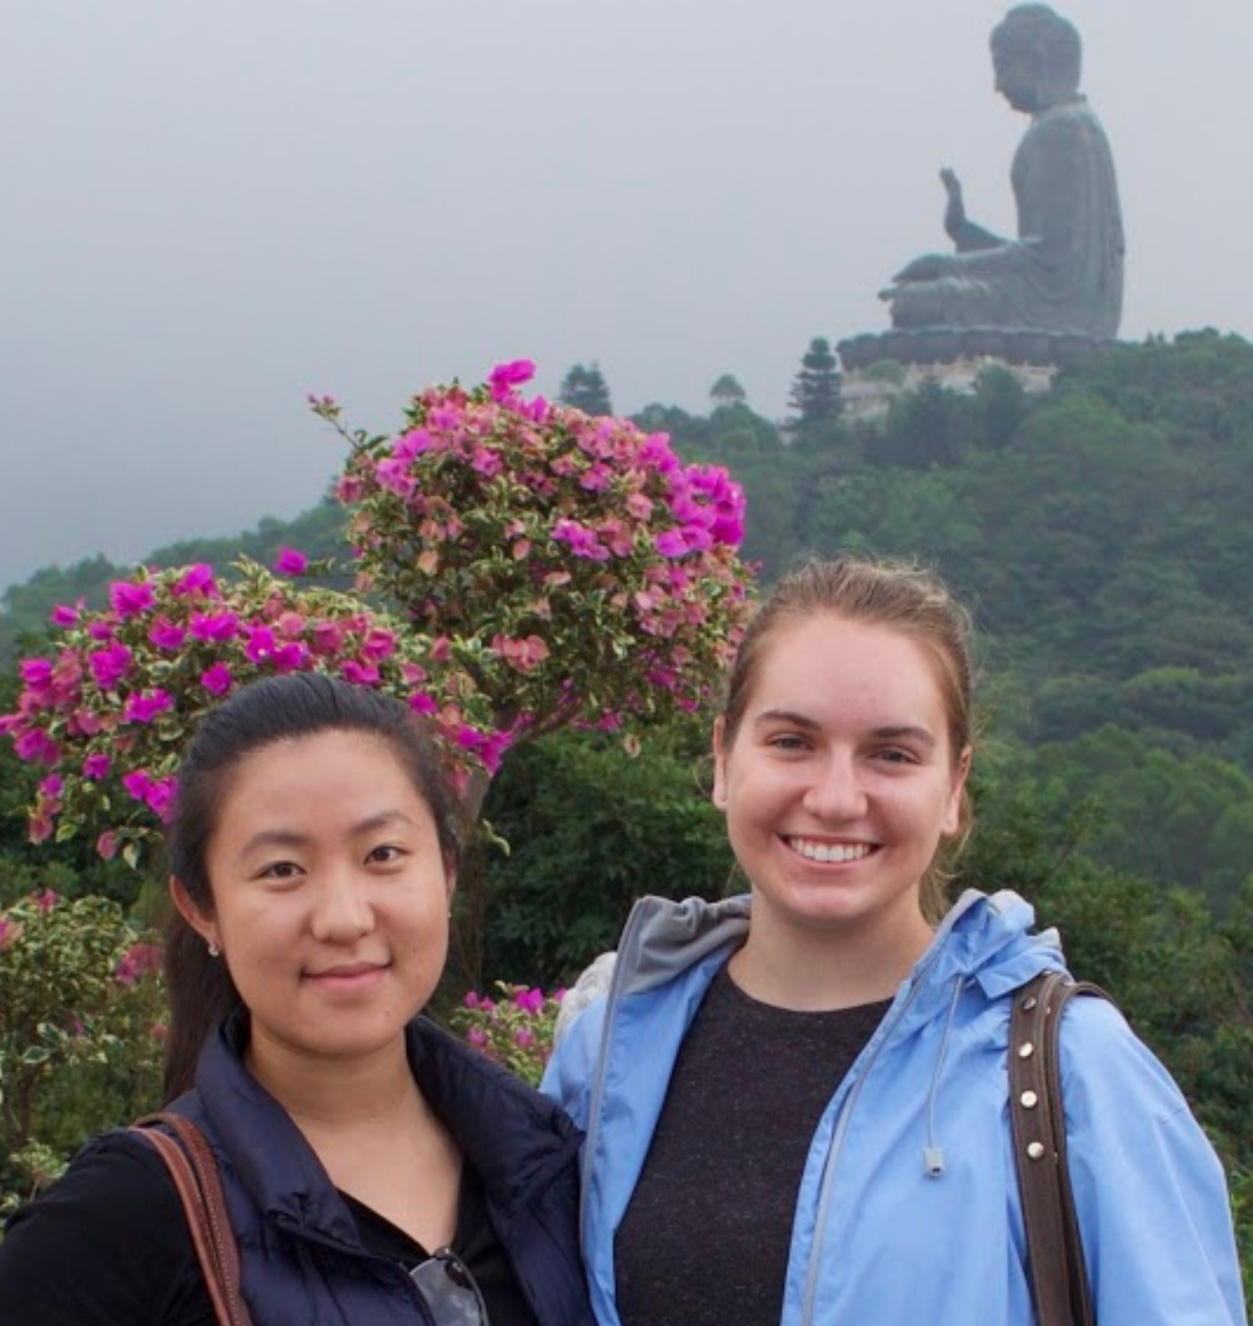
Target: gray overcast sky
point(210, 209)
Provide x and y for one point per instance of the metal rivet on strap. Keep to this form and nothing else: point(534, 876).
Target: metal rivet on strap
point(1036, 1150)
point(1029, 1100)
point(1026, 1050)
point(1028, 1003)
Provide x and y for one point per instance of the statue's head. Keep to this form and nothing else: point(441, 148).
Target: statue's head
point(1037, 56)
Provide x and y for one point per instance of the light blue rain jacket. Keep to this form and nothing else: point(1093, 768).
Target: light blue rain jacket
point(879, 1239)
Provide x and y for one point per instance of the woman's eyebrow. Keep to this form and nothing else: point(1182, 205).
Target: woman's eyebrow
point(786, 716)
point(294, 838)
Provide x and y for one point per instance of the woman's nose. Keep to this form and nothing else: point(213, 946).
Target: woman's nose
point(342, 912)
point(836, 791)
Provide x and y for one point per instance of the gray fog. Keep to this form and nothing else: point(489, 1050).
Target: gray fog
point(212, 209)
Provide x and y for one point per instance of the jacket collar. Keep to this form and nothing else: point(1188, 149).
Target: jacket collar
point(512, 1136)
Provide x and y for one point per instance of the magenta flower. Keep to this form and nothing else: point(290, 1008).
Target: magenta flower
point(166, 635)
point(109, 666)
point(359, 673)
point(524, 1037)
point(378, 644)
point(86, 722)
point(45, 901)
point(393, 474)
point(106, 845)
point(129, 600)
point(291, 562)
point(328, 637)
point(506, 376)
point(671, 543)
point(138, 961)
point(35, 672)
point(422, 704)
point(144, 706)
point(537, 411)
point(96, 767)
point(101, 630)
point(35, 746)
point(63, 615)
point(217, 680)
point(413, 443)
point(261, 644)
point(197, 581)
point(290, 657)
point(160, 798)
point(52, 786)
point(138, 784)
point(581, 541)
point(214, 626)
point(530, 1000)
point(471, 999)
point(485, 462)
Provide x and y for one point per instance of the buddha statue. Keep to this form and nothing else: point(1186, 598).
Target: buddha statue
point(1064, 271)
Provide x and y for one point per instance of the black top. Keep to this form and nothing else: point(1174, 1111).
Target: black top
point(705, 1239)
point(108, 1245)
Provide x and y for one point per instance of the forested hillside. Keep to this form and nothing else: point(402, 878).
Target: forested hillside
point(1100, 529)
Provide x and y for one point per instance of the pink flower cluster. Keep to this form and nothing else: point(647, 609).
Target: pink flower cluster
point(515, 1029)
point(588, 569)
point(110, 709)
point(140, 960)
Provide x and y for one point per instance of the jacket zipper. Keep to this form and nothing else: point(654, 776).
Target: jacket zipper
point(837, 1142)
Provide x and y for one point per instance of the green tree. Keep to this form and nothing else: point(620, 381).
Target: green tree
point(590, 829)
point(815, 398)
point(726, 391)
point(584, 388)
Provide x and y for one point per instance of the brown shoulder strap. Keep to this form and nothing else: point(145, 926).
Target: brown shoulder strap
point(194, 1171)
point(1058, 1273)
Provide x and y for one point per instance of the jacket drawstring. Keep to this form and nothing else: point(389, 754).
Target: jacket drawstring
point(933, 1154)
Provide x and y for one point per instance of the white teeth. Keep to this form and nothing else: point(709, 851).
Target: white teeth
point(825, 852)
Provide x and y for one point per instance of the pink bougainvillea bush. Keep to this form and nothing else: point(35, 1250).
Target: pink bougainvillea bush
point(109, 709)
point(574, 567)
point(516, 1028)
point(543, 567)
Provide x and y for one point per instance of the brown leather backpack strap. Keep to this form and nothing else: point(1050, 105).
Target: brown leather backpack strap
point(193, 1169)
point(1058, 1273)
point(1080, 1292)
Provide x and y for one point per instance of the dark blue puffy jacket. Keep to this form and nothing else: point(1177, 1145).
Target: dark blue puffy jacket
point(302, 1262)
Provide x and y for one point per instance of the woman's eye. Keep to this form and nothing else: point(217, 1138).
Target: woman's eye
point(386, 853)
point(787, 741)
point(896, 756)
point(281, 870)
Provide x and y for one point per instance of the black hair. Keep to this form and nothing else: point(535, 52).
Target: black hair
point(276, 709)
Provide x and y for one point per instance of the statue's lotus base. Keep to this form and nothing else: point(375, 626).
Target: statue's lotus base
point(948, 345)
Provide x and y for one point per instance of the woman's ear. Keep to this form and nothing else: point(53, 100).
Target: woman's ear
point(953, 811)
point(719, 797)
point(204, 926)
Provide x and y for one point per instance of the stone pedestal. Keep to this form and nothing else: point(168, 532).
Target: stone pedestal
point(947, 345)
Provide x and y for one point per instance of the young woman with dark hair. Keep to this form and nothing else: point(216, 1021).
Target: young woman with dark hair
point(314, 850)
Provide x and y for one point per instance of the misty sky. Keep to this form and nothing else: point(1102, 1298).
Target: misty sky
point(211, 209)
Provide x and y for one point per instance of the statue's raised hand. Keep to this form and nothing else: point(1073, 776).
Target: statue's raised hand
point(955, 212)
